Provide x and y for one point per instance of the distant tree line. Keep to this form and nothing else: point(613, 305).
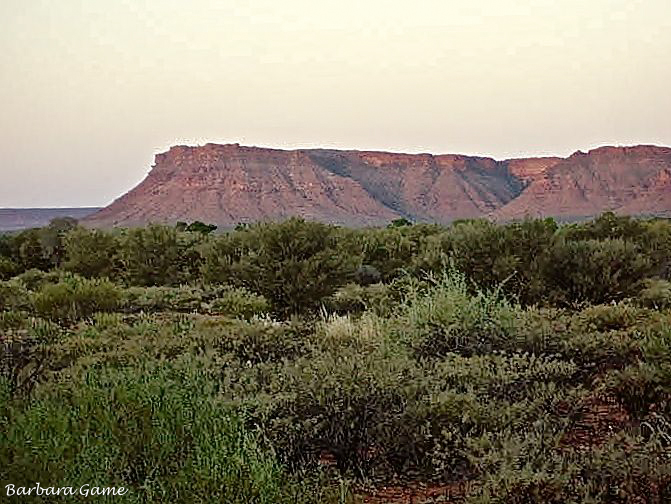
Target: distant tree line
point(297, 264)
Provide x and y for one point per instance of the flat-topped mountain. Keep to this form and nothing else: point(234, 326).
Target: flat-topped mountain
point(228, 184)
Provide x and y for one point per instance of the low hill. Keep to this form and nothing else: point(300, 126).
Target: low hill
point(14, 219)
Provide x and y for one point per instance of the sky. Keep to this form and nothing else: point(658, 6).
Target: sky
point(91, 90)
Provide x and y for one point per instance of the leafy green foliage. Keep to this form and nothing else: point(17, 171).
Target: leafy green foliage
point(90, 253)
point(182, 299)
point(354, 298)
point(157, 431)
point(490, 255)
point(240, 303)
point(400, 222)
point(75, 298)
point(388, 251)
point(150, 256)
point(592, 271)
point(200, 227)
point(35, 279)
point(447, 319)
point(656, 294)
point(294, 264)
point(13, 295)
point(211, 299)
point(8, 268)
point(525, 362)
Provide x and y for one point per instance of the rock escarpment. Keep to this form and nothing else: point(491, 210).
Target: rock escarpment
point(228, 184)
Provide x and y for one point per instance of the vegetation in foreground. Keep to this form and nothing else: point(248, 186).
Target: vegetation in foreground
point(300, 362)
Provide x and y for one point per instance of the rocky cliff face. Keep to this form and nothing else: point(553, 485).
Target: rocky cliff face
point(628, 180)
point(228, 184)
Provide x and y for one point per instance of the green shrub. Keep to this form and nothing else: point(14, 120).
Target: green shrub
point(150, 256)
point(509, 256)
point(365, 333)
point(389, 252)
point(213, 299)
point(220, 254)
point(259, 341)
point(196, 227)
point(607, 226)
point(90, 253)
point(294, 264)
point(11, 320)
point(351, 298)
point(184, 298)
point(34, 279)
point(449, 319)
point(533, 468)
point(591, 271)
point(112, 341)
point(639, 386)
point(597, 338)
point(645, 384)
point(522, 468)
point(656, 294)
point(24, 351)
point(22, 360)
point(157, 431)
point(239, 303)
point(30, 251)
point(41, 248)
point(74, 298)
point(13, 295)
point(610, 317)
point(8, 268)
point(379, 414)
point(342, 405)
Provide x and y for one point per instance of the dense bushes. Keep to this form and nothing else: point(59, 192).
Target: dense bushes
point(90, 253)
point(490, 254)
point(353, 298)
point(592, 271)
point(158, 432)
point(294, 264)
point(8, 268)
point(526, 362)
point(217, 300)
point(656, 293)
point(74, 298)
point(13, 295)
point(150, 256)
point(387, 253)
point(447, 319)
point(239, 303)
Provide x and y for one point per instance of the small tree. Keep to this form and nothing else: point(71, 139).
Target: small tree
point(30, 251)
point(8, 268)
point(594, 271)
point(294, 264)
point(90, 253)
point(200, 227)
point(150, 256)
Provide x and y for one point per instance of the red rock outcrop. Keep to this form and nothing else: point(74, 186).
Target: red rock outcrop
point(228, 184)
point(627, 180)
point(531, 169)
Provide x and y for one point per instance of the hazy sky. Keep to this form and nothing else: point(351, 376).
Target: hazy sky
point(90, 90)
